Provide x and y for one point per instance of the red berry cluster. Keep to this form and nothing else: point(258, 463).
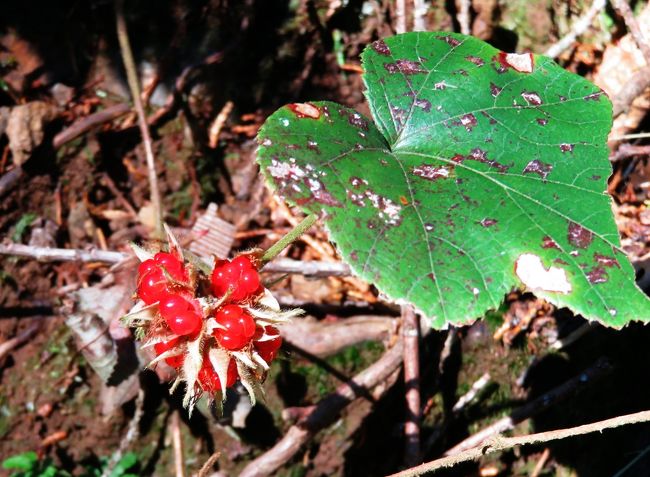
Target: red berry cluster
point(234, 284)
point(238, 282)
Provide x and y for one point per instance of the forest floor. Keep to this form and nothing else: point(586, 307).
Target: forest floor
point(90, 191)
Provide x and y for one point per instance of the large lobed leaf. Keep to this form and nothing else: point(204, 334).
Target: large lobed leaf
point(483, 171)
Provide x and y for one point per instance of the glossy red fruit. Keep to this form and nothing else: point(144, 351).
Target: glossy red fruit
point(173, 361)
point(152, 286)
point(240, 327)
point(173, 304)
point(146, 267)
point(209, 379)
point(171, 264)
point(186, 322)
point(152, 280)
point(239, 274)
point(268, 349)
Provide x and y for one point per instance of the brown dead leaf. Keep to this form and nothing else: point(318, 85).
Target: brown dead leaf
point(25, 128)
point(620, 62)
point(519, 317)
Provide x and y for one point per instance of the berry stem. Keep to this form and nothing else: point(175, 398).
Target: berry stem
point(288, 239)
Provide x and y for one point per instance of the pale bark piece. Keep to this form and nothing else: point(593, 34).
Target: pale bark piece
point(212, 235)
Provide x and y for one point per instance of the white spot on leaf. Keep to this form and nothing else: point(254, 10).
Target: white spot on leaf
point(531, 271)
point(522, 63)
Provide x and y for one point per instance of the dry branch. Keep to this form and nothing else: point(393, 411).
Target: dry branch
point(132, 433)
point(325, 339)
point(498, 444)
point(579, 27)
point(8, 180)
point(324, 414)
point(280, 265)
point(411, 358)
point(400, 16)
point(47, 254)
point(177, 443)
point(419, 15)
point(624, 10)
point(546, 400)
point(634, 88)
point(134, 86)
point(310, 268)
point(463, 16)
point(22, 338)
point(84, 125)
point(638, 83)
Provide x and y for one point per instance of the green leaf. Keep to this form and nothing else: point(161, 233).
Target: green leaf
point(126, 463)
point(25, 461)
point(483, 172)
point(22, 225)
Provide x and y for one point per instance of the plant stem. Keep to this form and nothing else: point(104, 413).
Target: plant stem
point(288, 239)
point(134, 86)
point(411, 358)
point(499, 443)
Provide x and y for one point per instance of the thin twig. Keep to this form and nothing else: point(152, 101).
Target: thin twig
point(207, 467)
point(411, 358)
point(83, 125)
point(589, 376)
point(177, 443)
point(328, 368)
point(400, 16)
point(631, 90)
point(215, 128)
point(47, 254)
point(624, 10)
point(580, 26)
point(108, 182)
point(574, 336)
point(22, 338)
point(312, 268)
point(323, 338)
point(499, 443)
point(479, 385)
point(324, 414)
point(9, 179)
point(631, 464)
point(470, 395)
point(419, 15)
point(134, 86)
point(132, 434)
point(463, 16)
point(541, 463)
point(173, 101)
point(625, 137)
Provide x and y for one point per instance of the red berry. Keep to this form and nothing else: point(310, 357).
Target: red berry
point(240, 327)
point(146, 267)
point(171, 264)
point(186, 322)
point(239, 275)
point(152, 287)
point(152, 281)
point(268, 349)
point(172, 305)
point(209, 379)
point(173, 361)
point(250, 281)
point(242, 262)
